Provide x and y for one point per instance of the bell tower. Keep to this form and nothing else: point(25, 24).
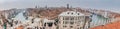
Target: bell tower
point(67, 6)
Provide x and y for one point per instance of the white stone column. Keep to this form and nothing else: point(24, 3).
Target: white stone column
point(61, 22)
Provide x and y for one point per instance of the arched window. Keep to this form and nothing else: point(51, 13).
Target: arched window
point(68, 13)
point(72, 13)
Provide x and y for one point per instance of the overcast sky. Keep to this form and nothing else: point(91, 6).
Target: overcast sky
point(97, 4)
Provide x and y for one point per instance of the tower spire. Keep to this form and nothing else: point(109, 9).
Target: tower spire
point(46, 6)
point(36, 6)
point(67, 6)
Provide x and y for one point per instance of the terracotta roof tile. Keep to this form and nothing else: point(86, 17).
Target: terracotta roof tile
point(20, 27)
point(51, 13)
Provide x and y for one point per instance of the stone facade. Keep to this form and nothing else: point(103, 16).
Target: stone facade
point(73, 20)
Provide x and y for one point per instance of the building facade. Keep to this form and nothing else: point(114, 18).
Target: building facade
point(73, 20)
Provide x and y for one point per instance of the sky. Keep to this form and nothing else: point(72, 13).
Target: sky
point(95, 4)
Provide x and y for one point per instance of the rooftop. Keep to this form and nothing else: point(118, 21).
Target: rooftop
point(51, 13)
point(71, 13)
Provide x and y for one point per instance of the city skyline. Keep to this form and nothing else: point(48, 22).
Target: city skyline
point(96, 4)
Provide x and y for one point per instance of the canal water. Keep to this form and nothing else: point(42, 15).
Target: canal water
point(98, 20)
point(21, 17)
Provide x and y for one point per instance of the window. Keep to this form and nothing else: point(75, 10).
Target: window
point(75, 18)
point(71, 26)
point(45, 24)
point(0, 22)
point(72, 13)
point(66, 18)
point(32, 20)
point(72, 18)
point(65, 22)
point(79, 22)
point(50, 24)
point(78, 18)
point(56, 20)
point(68, 13)
point(71, 22)
point(63, 18)
point(64, 26)
point(81, 18)
point(78, 25)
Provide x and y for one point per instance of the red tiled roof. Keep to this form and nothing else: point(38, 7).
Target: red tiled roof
point(19, 27)
point(51, 13)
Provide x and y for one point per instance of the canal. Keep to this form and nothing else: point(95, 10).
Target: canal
point(98, 20)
